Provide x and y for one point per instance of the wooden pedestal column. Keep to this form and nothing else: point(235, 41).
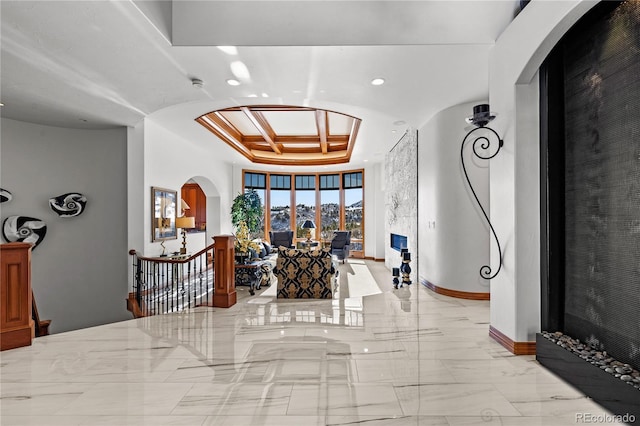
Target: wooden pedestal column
point(224, 294)
point(16, 323)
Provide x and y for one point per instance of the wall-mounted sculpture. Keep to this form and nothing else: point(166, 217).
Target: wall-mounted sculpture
point(68, 205)
point(24, 229)
point(5, 195)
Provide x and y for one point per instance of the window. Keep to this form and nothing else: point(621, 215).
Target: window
point(333, 201)
point(257, 182)
point(280, 208)
point(353, 203)
point(305, 204)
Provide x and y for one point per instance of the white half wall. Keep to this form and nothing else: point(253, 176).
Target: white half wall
point(452, 232)
point(79, 271)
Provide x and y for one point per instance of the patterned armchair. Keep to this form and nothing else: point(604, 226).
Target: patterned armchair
point(281, 238)
point(305, 274)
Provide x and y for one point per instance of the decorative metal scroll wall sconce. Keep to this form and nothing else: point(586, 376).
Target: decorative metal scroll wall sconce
point(484, 136)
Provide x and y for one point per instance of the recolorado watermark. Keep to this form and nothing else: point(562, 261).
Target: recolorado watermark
point(604, 418)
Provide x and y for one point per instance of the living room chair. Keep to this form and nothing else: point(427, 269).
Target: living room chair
point(281, 238)
point(340, 244)
point(305, 274)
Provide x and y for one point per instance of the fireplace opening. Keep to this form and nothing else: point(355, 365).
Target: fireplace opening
point(398, 242)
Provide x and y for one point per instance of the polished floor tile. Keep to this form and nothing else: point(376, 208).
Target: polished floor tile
point(373, 355)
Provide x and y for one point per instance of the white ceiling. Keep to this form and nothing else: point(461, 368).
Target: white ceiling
point(100, 64)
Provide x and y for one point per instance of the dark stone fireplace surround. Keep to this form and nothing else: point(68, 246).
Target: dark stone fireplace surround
point(564, 134)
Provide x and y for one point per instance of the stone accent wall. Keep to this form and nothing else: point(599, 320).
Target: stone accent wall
point(401, 199)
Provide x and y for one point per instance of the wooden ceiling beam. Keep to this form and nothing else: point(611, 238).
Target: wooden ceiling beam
point(352, 136)
point(218, 127)
point(261, 123)
point(322, 124)
point(294, 161)
point(225, 125)
point(331, 139)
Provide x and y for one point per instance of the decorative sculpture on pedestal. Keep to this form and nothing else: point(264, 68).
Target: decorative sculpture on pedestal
point(405, 268)
point(396, 274)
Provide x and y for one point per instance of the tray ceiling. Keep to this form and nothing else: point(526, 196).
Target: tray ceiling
point(285, 135)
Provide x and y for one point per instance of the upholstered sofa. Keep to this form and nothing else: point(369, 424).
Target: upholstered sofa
point(305, 274)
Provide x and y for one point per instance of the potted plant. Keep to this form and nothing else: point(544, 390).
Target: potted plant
point(244, 244)
point(246, 218)
point(247, 208)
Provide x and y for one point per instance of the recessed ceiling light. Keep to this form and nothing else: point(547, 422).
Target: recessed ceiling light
point(264, 95)
point(253, 95)
point(229, 50)
point(377, 81)
point(365, 161)
point(399, 123)
point(232, 82)
point(240, 71)
point(1, 104)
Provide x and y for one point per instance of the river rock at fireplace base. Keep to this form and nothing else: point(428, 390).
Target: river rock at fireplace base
point(596, 357)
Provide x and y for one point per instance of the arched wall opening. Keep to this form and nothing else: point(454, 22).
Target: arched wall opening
point(212, 206)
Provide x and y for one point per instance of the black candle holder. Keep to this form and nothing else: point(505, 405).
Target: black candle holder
point(396, 274)
point(405, 268)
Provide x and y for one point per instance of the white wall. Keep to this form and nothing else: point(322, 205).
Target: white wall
point(376, 239)
point(515, 173)
point(170, 161)
point(401, 200)
point(452, 232)
point(79, 271)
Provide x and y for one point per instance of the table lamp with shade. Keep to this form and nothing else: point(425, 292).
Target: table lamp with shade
point(185, 222)
point(184, 206)
point(308, 225)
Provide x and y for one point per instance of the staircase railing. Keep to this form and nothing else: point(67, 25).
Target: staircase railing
point(170, 284)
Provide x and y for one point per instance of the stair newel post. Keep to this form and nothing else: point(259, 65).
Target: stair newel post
point(224, 294)
point(17, 327)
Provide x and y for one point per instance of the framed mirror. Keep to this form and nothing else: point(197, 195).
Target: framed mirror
point(163, 214)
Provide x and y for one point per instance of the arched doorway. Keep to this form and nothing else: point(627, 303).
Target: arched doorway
point(203, 198)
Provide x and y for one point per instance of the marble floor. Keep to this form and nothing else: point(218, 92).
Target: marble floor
point(371, 356)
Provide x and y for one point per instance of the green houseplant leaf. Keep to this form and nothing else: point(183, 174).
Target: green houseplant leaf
point(247, 208)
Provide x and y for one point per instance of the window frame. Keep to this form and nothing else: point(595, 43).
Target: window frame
point(293, 181)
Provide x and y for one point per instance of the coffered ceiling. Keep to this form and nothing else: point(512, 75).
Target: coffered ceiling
point(285, 135)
